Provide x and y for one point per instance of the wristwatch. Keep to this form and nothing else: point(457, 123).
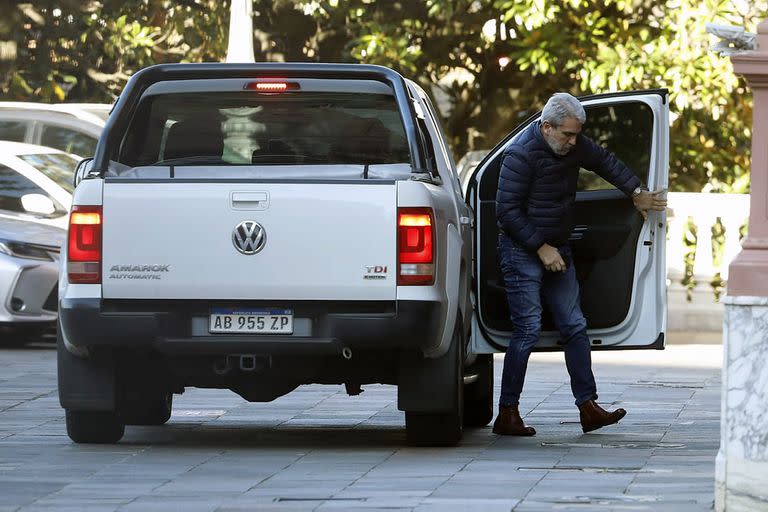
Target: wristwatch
point(637, 191)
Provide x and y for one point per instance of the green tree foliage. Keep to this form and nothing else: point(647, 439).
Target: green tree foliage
point(488, 63)
point(86, 51)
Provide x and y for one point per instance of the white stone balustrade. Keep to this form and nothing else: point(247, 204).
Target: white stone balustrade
point(704, 210)
point(701, 312)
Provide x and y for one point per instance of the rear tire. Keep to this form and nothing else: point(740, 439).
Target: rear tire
point(150, 411)
point(443, 428)
point(478, 396)
point(98, 427)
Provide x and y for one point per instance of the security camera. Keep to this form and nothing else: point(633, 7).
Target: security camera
point(730, 32)
point(734, 39)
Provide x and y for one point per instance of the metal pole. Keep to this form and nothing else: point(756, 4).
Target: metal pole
point(240, 47)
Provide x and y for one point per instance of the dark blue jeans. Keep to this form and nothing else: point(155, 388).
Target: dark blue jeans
point(528, 284)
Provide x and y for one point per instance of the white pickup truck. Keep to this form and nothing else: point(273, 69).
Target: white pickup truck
point(256, 227)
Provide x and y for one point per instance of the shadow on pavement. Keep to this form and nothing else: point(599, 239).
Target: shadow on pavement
point(248, 435)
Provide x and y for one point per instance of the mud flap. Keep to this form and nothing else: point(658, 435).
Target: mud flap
point(428, 385)
point(85, 384)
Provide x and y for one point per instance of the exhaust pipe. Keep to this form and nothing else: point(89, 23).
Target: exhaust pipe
point(346, 353)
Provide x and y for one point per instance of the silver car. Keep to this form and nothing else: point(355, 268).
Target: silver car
point(70, 127)
point(36, 183)
point(29, 254)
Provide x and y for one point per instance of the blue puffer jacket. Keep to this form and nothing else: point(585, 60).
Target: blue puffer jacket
point(537, 188)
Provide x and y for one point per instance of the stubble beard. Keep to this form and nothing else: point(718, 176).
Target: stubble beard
point(558, 149)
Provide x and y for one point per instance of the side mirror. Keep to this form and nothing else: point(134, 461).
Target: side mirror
point(38, 203)
point(82, 170)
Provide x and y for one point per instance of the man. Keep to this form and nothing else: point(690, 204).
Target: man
point(534, 208)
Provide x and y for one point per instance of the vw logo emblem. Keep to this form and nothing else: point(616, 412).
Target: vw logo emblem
point(249, 237)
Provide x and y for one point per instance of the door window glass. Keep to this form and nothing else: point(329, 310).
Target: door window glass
point(59, 167)
point(439, 140)
point(68, 140)
point(15, 131)
point(14, 185)
point(429, 149)
point(626, 130)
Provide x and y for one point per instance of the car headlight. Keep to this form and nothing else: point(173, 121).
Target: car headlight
point(27, 251)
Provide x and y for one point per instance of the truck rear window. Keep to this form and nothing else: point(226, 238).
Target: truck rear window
point(247, 128)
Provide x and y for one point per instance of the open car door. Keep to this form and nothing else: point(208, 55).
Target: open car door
point(619, 258)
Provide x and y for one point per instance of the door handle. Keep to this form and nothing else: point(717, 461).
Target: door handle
point(250, 200)
point(578, 232)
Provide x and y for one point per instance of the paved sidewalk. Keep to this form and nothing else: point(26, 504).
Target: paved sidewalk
point(317, 449)
point(694, 338)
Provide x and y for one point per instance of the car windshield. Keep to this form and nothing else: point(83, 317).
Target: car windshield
point(60, 167)
point(243, 128)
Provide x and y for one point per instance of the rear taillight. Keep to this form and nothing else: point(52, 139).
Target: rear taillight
point(415, 246)
point(84, 245)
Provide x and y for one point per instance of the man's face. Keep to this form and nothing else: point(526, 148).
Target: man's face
point(561, 138)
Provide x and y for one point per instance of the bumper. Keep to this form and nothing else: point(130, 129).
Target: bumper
point(28, 290)
point(181, 327)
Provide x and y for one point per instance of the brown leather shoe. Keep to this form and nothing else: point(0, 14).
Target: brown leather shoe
point(509, 423)
point(593, 416)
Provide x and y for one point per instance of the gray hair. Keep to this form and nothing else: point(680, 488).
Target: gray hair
point(562, 106)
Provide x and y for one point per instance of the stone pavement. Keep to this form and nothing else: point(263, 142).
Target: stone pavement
point(317, 449)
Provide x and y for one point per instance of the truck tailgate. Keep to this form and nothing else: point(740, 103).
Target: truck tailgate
point(314, 241)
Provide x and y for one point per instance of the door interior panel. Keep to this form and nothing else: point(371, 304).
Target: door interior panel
point(605, 258)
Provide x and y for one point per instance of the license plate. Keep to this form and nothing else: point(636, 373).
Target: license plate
point(251, 321)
